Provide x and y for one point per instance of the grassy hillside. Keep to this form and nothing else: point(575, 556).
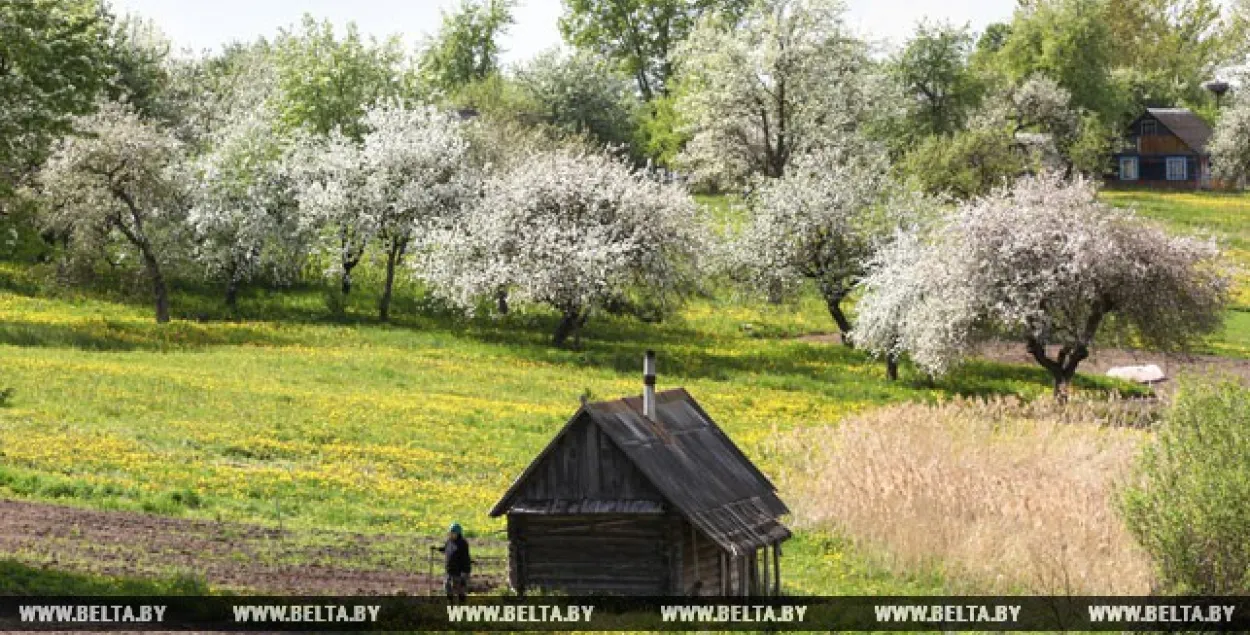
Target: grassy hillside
point(387, 428)
point(1224, 216)
point(391, 429)
point(290, 416)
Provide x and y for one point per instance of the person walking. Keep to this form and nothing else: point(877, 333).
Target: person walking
point(458, 563)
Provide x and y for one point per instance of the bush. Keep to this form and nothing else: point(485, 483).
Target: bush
point(1190, 504)
point(966, 164)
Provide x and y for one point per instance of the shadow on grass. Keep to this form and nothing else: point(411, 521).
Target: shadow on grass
point(101, 334)
point(17, 578)
point(609, 342)
point(981, 378)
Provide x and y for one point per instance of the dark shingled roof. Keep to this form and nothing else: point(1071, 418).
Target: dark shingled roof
point(692, 463)
point(1184, 124)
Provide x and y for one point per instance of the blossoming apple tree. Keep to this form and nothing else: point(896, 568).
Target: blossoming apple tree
point(1046, 263)
point(409, 174)
point(821, 222)
point(572, 230)
point(243, 215)
point(779, 83)
point(118, 185)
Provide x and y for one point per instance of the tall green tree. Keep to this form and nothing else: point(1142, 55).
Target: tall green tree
point(1170, 47)
point(932, 69)
point(1070, 42)
point(579, 94)
point(640, 34)
point(466, 48)
point(138, 54)
point(53, 64)
point(326, 83)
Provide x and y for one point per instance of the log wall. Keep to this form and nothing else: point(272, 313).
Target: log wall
point(602, 553)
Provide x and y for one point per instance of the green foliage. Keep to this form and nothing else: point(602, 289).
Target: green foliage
point(20, 238)
point(138, 53)
point(640, 34)
point(1089, 151)
point(466, 48)
point(1190, 508)
point(1068, 41)
point(53, 63)
point(326, 83)
point(661, 130)
point(964, 164)
point(496, 96)
point(992, 40)
point(933, 70)
point(582, 96)
point(1171, 46)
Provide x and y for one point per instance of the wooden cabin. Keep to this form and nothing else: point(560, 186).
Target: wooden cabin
point(1165, 147)
point(644, 496)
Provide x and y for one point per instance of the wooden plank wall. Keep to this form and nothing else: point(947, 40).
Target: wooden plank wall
point(586, 464)
point(618, 554)
point(700, 559)
point(1163, 143)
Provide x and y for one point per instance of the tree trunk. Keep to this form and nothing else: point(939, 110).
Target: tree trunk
point(232, 287)
point(833, 300)
point(891, 367)
point(1062, 369)
point(232, 295)
point(137, 238)
point(1062, 387)
point(349, 262)
point(345, 284)
point(501, 301)
point(571, 324)
point(160, 290)
point(394, 256)
point(775, 292)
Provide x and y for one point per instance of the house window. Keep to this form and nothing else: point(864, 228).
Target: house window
point(1177, 169)
point(1128, 168)
point(1149, 127)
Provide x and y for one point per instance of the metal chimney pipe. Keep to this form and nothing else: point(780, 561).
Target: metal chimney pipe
point(648, 385)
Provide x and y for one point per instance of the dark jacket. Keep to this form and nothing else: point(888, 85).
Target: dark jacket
point(456, 554)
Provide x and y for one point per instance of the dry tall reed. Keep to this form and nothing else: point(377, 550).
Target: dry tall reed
point(1007, 496)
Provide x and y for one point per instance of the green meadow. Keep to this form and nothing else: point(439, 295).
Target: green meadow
point(288, 414)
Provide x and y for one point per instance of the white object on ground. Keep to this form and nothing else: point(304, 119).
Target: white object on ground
point(1148, 374)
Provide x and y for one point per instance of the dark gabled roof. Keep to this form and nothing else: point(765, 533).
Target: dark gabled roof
point(1183, 123)
point(692, 463)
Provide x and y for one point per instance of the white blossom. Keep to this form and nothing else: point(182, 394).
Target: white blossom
point(1230, 142)
point(1046, 263)
point(408, 175)
point(575, 231)
point(786, 80)
point(820, 222)
point(243, 214)
point(119, 184)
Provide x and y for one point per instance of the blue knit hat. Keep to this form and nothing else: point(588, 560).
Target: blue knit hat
point(455, 529)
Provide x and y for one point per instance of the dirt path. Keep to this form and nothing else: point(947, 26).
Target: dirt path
point(1103, 359)
point(1174, 366)
point(225, 555)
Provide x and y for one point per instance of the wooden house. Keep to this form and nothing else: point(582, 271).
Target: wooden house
point(644, 496)
point(1165, 147)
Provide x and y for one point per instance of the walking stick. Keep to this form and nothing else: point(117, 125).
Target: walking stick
point(430, 576)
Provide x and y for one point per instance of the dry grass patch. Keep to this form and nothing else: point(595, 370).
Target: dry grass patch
point(1010, 496)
